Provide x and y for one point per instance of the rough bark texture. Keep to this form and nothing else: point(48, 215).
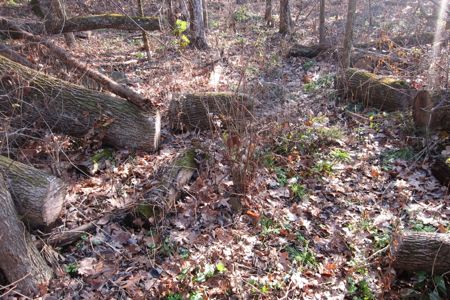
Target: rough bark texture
point(39, 197)
point(298, 50)
point(144, 33)
point(172, 178)
point(268, 13)
point(348, 39)
point(431, 110)
point(198, 111)
point(106, 82)
point(20, 261)
point(421, 251)
point(75, 110)
point(170, 13)
point(322, 38)
point(285, 17)
point(384, 93)
point(441, 170)
point(198, 25)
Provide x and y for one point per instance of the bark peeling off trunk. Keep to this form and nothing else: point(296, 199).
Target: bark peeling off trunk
point(75, 110)
point(20, 261)
point(421, 251)
point(384, 93)
point(39, 197)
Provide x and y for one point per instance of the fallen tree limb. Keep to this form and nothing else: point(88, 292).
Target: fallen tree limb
point(422, 251)
point(431, 110)
point(199, 111)
point(74, 110)
point(384, 93)
point(14, 56)
point(106, 82)
point(39, 197)
point(20, 261)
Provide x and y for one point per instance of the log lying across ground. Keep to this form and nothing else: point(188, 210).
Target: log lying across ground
point(199, 111)
point(384, 93)
point(38, 196)
point(74, 110)
point(81, 23)
point(20, 261)
point(299, 50)
point(422, 251)
point(431, 110)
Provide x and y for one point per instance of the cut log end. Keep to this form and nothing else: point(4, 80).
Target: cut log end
point(431, 110)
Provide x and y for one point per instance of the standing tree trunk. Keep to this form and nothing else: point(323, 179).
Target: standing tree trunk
point(348, 39)
point(144, 34)
point(268, 13)
point(170, 14)
point(20, 261)
point(322, 38)
point(205, 14)
point(197, 24)
point(285, 17)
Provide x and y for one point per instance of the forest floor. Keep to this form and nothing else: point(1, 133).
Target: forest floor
point(326, 183)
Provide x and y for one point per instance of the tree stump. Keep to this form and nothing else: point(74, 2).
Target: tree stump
point(384, 93)
point(199, 111)
point(20, 261)
point(431, 110)
point(422, 251)
point(74, 110)
point(441, 170)
point(38, 196)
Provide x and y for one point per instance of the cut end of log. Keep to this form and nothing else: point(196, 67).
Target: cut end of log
point(52, 208)
point(431, 110)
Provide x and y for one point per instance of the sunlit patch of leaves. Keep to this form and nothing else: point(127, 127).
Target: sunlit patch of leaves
point(301, 253)
point(180, 27)
point(269, 227)
point(421, 227)
point(241, 14)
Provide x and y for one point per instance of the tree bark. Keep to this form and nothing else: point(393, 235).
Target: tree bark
point(421, 251)
point(14, 56)
point(384, 93)
point(431, 110)
point(75, 110)
point(20, 261)
point(285, 17)
point(298, 50)
point(441, 170)
point(268, 13)
point(197, 25)
point(322, 37)
point(205, 14)
point(144, 33)
point(39, 197)
point(198, 111)
point(348, 39)
point(170, 14)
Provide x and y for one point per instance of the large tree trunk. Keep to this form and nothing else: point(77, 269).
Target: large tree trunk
point(421, 251)
point(285, 17)
point(431, 110)
point(39, 197)
point(170, 14)
point(199, 111)
point(20, 261)
point(198, 25)
point(348, 39)
point(384, 93)
point(441, 170)
point(74, 110)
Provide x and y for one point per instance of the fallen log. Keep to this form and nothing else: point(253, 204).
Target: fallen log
point(14, 56)
point(299, 50)
point(431, 110)
point(384, 93)
point(20, 262)
point(38, 196)
point(422, 251)
point(106, 82)
point(199, 111)
point(74, 110)
point(172, 178)
point(403, 40)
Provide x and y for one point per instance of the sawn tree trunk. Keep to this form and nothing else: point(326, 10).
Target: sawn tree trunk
point(74, 110)
point(38, 196)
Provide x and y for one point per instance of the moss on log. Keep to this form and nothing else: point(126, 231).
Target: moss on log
point(384, 93)
point(431, 110)
point(112, 21)
point(199, 111)
point(74, 110)
point(39, 197)
point(173, 177)
point(422, 251)
point(20, 261)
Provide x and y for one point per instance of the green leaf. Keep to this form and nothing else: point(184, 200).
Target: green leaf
point(221, 267)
